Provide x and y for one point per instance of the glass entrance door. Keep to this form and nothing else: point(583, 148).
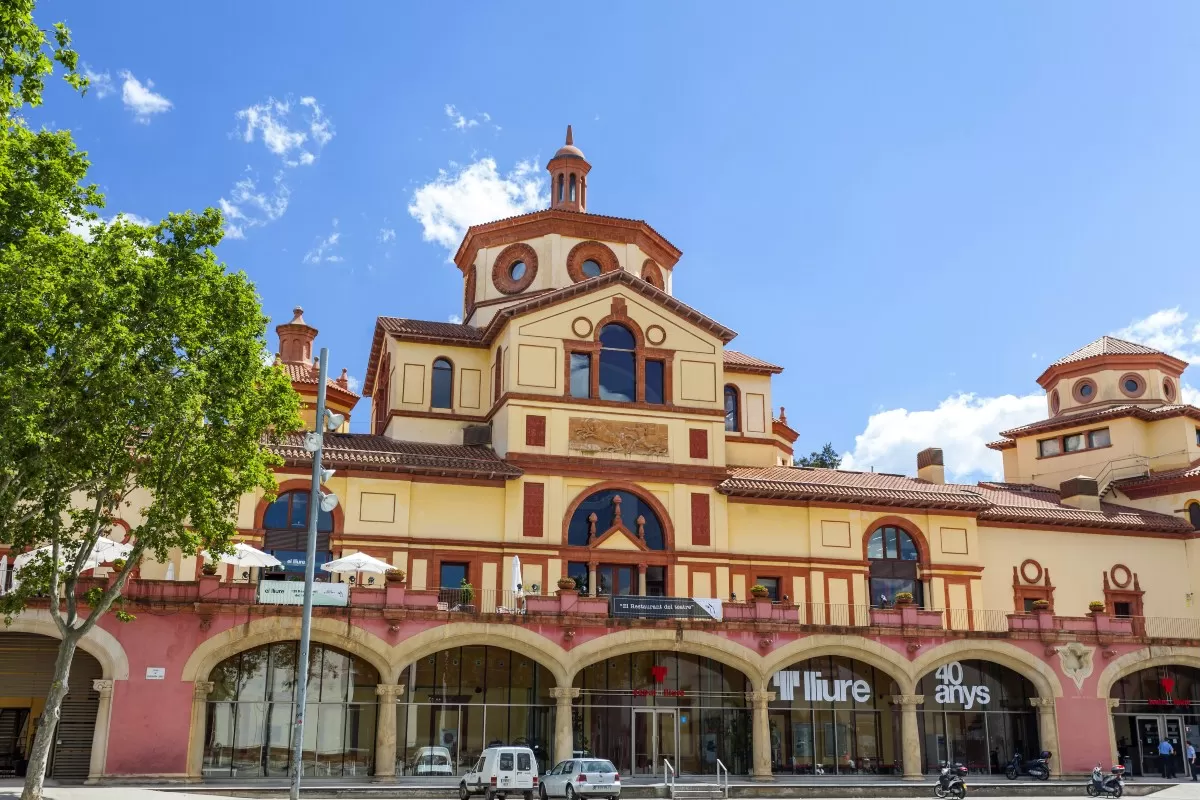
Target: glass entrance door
point(1151, 731)
point(655, 737)
point(1173, 727)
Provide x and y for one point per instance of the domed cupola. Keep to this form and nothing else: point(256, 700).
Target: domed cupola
point(568, 177)
point(1111, 372)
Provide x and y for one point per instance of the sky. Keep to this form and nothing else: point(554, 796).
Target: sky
point(913, 207)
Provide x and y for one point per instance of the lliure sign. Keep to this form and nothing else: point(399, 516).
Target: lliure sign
point(818, 689)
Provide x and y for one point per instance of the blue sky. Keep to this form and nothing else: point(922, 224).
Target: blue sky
point(913, 207)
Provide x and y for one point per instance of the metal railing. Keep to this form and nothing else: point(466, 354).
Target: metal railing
point(669, 776)
point(722, 770)
point(1132, 466)
point(1166, 627)
point(976, 619)
point(834, 614)
point(481, 601)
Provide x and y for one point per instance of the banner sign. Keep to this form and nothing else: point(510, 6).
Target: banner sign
point(294, 560)
point(666, 607)
point(291, 593)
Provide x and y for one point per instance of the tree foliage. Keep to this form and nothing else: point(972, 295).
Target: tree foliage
point(826, 458)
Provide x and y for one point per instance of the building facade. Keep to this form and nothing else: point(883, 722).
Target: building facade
point(684, 592)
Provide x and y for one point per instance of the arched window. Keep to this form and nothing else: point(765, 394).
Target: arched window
point(285, 523)
point(893, 555)
point(618, 364)
point(733, 413)
point(1194, 515)
point(252, 704)
point(560, 187)
point(443, 384)
point(613, 508)
point(591, 268)
point(572, 187)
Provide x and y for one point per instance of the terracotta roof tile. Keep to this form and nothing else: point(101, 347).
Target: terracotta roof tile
point(553, 212)
point(302, 373)
point(1161, 476)
point(740, 362)
point(442, 331)
point(1146, 414)
point(1028, 503)
point(806, 483)
point(1107, 346)
point(368, 451)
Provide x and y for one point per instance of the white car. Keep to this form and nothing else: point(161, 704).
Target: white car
point(501, 772)
point(433, 761)
point(582, 777)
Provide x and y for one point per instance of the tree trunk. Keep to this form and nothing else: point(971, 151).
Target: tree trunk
point(47, 732)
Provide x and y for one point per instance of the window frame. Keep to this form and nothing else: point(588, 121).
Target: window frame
point(1088, 436)
point(888, 567)
point(447, 373)
point(466, 565)
point(772, 587)
point(732, 390)
point(591, 349)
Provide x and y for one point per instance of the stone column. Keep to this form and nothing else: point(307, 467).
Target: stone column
point(195, 762)
point(642, 579)
point(592, 585)
point(910, 737)
point(100, 736)
point(1048, 732)
point(564, 730)
point(760, 731)
point(385, 730)
point(1112, 730)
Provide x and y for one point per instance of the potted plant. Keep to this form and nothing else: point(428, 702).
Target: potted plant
point(1096, 607)
point(759, 592)
point(466, 593)
point(566, 584)
point(209, 569)
point(903, 598)
point(1041, 605)
point(397, 576)
point(118, 564)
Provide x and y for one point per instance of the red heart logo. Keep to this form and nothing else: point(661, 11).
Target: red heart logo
point(659, 674)
point(1168, 684)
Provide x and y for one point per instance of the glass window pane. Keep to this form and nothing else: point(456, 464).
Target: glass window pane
point(1099, 438)
point(591, 268)
point(253, 675)
point(731, 409)
point(517, 270)
point(443, 384)
point(908, 548)
point(618, 380)
point(655, 382)
point(452, 575)
point(218, 739)
point(299, 509)
point(283, 671)
point(618, 337)
point(334, 677)
point(279, 737)
point(1048, 447)
point(277, 514)
point(359, 749)
point(1073, 442)
point(890, 541)
point(249, 735)
point(581, 375)
point(875, 545)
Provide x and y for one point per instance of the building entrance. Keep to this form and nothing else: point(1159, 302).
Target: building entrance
point(655, 737)
point(1152, 705)
point(1151, 731)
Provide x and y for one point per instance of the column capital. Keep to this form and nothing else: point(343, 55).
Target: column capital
point(561, 693)
point(760, 698)
point(104, 687)
point(1042, 702)
point(389, 691)
point(203, 689)
point(642, 568)
point(908, 699)
point(1113, 702)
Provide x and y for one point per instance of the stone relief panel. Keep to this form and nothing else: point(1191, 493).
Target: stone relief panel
point(609, 436)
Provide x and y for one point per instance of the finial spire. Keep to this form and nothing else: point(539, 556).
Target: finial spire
point(570, 136)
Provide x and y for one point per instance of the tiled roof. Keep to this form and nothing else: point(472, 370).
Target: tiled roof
point(1160, 477)
point(806, 483)
point(1107, 346)
point(302, 373)
point(411, 329)
point(367, 451)
point(1031, 504)
point(740, 362)
point(1146, 414)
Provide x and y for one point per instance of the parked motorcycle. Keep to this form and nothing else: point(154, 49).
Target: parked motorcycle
point(951, 781)
point(1110, 785)
point(1038, 768)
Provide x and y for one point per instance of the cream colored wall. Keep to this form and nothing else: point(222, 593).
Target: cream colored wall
point(756, 411)
point(412, 377)
point(740, 454)
point(1108, 388)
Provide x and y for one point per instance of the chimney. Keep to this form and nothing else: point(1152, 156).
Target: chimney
point(929, 465)
point(1082, 492)
point(296, 339)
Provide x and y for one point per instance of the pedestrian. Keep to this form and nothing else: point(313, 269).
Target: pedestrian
point(1165, 751)
point(1191, 758)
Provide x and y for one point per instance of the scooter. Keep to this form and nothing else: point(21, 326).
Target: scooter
point(1106, 785)
point(951, 781)
point(1039, 768)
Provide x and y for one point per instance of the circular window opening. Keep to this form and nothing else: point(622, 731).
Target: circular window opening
point(1132, 385)
point(1084, 391)
point(1169, 390)
point(1054, 402)
point(517, 270)
point(591, 269)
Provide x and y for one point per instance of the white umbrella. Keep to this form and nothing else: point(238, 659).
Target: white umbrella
point(104, 550)
point(517, 585)
point(244, 555)
point(4, 573)
point(357, 562)
point(170, 570)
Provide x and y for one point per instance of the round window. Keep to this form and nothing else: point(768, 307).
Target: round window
point(517, 270)
point(591, 269)
point(1084, 390)
point(1132, 384)
point(1169, 390)
point(1054, 402)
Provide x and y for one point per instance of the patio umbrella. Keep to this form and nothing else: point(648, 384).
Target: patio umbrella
point(4, 573)
point(518, 587)
point(104, 550)
point(357, 562)
point(244, 555)
point(170, 570)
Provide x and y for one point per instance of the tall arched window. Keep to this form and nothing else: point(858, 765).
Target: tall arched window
point(1194, 515)
point(443, 384)
point(893, 555)
point(613, 508)
point(286, 524)
point(733, 414)
point(560, 188)
point(572, 187)
point(618, 364)
point(249, 712)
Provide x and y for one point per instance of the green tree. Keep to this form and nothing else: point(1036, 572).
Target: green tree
point(132, 370)
point(826, 458)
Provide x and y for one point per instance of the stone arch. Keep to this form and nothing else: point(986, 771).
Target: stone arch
point(1024, 663)
point(698, 643)
point(1146, 658)
point(98, 643)
point(879, 656)
point(462, 634)
point(268, 630)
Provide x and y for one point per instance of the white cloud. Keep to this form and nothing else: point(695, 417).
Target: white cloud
point(99, 82)
point(961, 425)
point(139, 98)
point(1166, 330)
point(458, 120)
point(249, 207)
point(476, 193)
point(323, 251)
point(83, 227)
point(287, 130)
point(455, 318)
point(353, 383)
point(387, 235)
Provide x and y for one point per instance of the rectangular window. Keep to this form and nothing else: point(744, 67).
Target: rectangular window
point(655, 385)
point(452, 575)
point(523, 762)
point(1099, 438)
point(578, 570)
point(772, 586)
point(1123, 609)
point(1073, 443)
point(506, 762)
point(656, 581)
point(581, 375)
point(618, 375)
point(1049, 447)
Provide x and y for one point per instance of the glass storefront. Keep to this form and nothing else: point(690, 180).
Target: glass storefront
point(1152, 705)
point(637, 709)
point(249, 714)
point(833, 716)
point(459, 701)
point(978, 714)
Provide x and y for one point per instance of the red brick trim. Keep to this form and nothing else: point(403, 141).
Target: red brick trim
point(1076, 390)
point(697, 443)
point(1141, 382)
point(701, 520)
point(659, 509)
point(587, 467)
point(534, 510)
point(652, 275)
point(299, 485)
point(535, 430)
point(906, 525)
point(469, 292)
point(594, 251)
point(509, 256)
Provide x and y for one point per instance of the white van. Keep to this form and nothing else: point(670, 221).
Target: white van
point(502, 772)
